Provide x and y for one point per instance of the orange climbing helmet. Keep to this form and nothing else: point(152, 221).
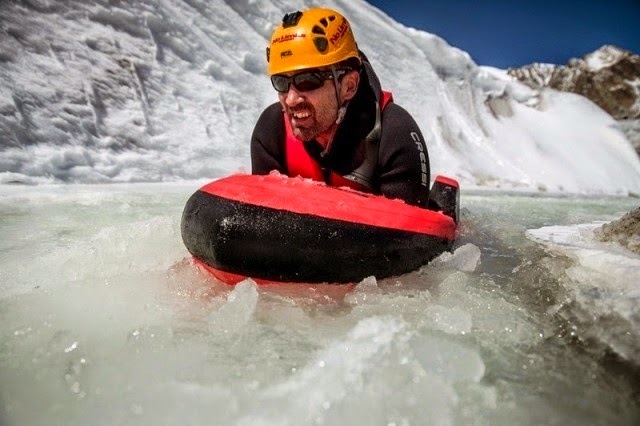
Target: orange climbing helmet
point(311, 39)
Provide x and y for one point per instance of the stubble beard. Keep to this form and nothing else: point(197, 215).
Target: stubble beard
point(319, 122)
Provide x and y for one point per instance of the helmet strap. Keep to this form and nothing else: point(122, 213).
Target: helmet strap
point(342, 110)
point(342, 106)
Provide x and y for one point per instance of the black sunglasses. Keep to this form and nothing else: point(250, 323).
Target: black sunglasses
point(304, 81)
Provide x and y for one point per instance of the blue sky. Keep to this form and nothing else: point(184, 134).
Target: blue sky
point(512, 33)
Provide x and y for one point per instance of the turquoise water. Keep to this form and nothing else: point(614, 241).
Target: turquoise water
point(104, 320)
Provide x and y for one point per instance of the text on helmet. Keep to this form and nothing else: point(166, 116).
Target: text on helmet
point(340, 32)
point(287, 37)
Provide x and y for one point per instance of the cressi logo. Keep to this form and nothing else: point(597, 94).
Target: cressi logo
point(424, 167)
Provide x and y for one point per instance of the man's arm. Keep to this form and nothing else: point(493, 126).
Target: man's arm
point(404, 160)
point(267, 142)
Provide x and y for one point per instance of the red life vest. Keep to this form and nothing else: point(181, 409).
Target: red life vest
point(300, 163)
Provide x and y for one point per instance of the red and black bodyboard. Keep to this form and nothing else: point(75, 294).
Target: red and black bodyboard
point(282, 229)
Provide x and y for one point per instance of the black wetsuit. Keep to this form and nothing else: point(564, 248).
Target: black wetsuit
point(402, 166)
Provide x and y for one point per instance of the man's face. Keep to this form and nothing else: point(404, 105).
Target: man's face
point(311, 113)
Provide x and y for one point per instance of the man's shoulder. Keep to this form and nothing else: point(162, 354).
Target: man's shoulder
point(395, 114)
point(272, 112)
point(270, 124)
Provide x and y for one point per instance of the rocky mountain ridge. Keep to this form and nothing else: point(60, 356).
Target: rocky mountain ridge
point(609, 77)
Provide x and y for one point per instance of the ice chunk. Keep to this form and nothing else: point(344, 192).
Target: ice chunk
point(238, 310)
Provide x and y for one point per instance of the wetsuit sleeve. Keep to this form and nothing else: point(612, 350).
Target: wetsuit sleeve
point(404, 160)
point(267, 142)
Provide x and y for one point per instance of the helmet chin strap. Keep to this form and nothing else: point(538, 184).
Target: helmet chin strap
point(364, 173)
point(342, 109)
point(342, 106)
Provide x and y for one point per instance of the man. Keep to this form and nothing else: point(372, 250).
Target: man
point(333, 122)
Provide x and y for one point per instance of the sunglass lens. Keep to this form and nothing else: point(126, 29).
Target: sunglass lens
point(307, 81)
point(280, 83)
point(303, 82)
